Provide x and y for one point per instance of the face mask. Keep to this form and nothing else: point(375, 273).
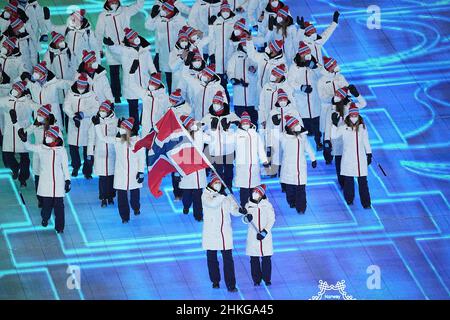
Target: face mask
point(36, 76)
point(267, 50)
point(94, 65)
point(217, 106)
point(81, 90)
point(337, 69)
point(313, 37)
point(283, 103)
point(274, 4)
point(163, 14)
point(183, 44)
point(114, 7)
point(4, 51)
point(225, 14)
point(122, 131)
point(217, 186)
point(308, 57)
point(40, 119)
point(61, 45)
point(237, 32)
point(203, 78)
point(197, 64)
point(14, 93)
point(194, 127)
point(151, 88)
point(273, 78)
point(245, 127)
point(194, 38)
point(49, 140)
point(297, 128)
point(256, 196)
point(354, 119)
point(337, 99)
point(279, 19)
point(137, 41)
point(22, 30)
point(103, 114)
point(7, 15)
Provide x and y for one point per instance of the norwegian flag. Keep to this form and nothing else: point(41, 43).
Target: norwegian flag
point(170, 150)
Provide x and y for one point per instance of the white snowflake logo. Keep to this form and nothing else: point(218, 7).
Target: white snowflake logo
point(324, 287)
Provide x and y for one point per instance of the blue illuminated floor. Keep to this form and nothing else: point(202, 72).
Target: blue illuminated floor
point(403, 71)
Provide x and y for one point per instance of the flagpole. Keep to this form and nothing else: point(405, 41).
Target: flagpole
point(213, 169)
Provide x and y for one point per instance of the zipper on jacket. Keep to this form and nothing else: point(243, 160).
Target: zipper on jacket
point(357, 152)
point(307, 95)
point(53, 172)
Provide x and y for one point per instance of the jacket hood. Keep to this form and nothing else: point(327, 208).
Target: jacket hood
point(5, 78)
point(226, 110)
point(74, 89)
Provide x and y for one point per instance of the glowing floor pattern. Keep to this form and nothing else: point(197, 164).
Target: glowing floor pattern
point(403, 70)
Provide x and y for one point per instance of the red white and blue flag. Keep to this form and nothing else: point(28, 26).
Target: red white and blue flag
point(170, 150)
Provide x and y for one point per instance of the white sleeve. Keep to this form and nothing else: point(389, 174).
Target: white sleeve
point(367, 146)
point(134, 8)
point(328, 32)
point(308, 148)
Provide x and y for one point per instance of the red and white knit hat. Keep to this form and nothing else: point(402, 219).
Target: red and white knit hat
point(176, 97)
point(329, 63)
point(130, 35)
point(353, 110)
point(44, 111)
point(241, 24)
point(215, 179)
point(16, 24)
point(12, 7)
point(168, 7)
point(155, 79)
point(261, 189)
point(182, 36)
point(82, 81)
point(209, 71)
point(53, 132)
point(10, 44)
point(79, 15)
point(341, 93)
point(276, 45)
point(282, 95)
point(88, 57)
point(303, 49)
point(197, 55)
point(309, 29)
point(41, 68)
point(187, 121)
point(225, 6)
point(20, 87)
point(218, 98)
point(106, 106)
point(279, 71)
point(127, 123)
point(291, 122)
point(57, 38)
point(283, 12)
point(245, 118)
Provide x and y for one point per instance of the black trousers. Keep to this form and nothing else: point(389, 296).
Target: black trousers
point(106, 188)
point(133, 110)
point(124, 205)
point(244, 195)
point(114, 73)
point(313, 127)
point(224, 83)
point(228, 267)
point(224, 167)
point(349, 190)
point(251, 111)
point(76, 160)
point(327, 154)
point(56, 205)
point(169, 81)
point(177, 192)
point(261, 268)
point(296, 196)
point(337, 163)
point(193, 197)
point(36, 184)
point(21, 167)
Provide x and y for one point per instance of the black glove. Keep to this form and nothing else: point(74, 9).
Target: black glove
point(36, 123)
point(225, 124)
point(155, 11)
point(276, 119)
point(119, 122)
point(266, 164)
point(140, 177)
point(269, 152)
point(214, 123)
point(95, 120)
point(43, 38)
point(336, 16)
point(260, 236)
point(67, 186)
point(212, 59)
point(335, 118)
point(212, 19)
point(272, 22)
point(235, 81)
point(314, 164)
point(353, 90)
point(189, 58)
point(76, 121)
point(301, 22)
point(108, 41)
point(46, 13)
point(134, 66)
point(327, 145)
point(22, 135)
point(243, 83)
point(369, 159)
point(25, 76)
point(306, 88)
point(242, 210)
point(249, 217)
point(13, 115)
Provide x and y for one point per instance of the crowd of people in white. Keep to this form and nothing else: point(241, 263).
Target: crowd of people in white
point(247, 80)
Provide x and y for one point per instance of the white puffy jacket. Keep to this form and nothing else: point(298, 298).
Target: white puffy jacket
point(155, 103)
point(24, 107)
point(269, 97)
point(76, 102)
point(13, 65)
point(126, 56)
point(104, 153)
point(239, 67)
point(317, 45)
point(220, 44)
point(167, 35)
point(293, 165)
point(356, 146)
point(202, 95)
point(99, 84)
point(264, 219)
point(222, 142)
point(127, 163)
point(38, 132)
point(217, 211)
point(110, 24)
point(250, 153)
point(309, 104)
point(200, 13)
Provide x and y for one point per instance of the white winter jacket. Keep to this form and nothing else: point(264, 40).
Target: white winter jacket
point(220, 44)
point(317, 45)
point(200, 13)
point(217, 211)
point(239, 67)
point(155, 103)
point(293, 165)
point(202, 96)
point(13, 65)
point(99, 84)
point(264, 219)
point(269, 97)
point(309, 104)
